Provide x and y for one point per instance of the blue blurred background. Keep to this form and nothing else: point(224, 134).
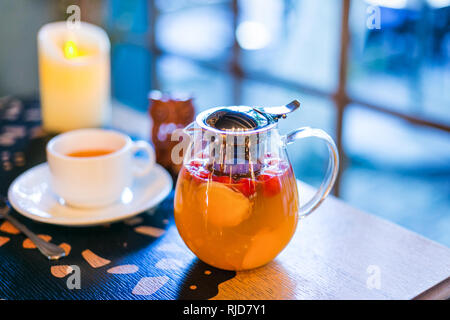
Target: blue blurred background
point(374, 74)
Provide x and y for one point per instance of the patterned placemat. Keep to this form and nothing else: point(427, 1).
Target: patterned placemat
point(140, 258)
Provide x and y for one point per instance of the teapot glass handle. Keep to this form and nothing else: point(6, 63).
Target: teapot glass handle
point(332, 171)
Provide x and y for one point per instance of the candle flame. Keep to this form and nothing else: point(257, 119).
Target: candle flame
point(70, 50)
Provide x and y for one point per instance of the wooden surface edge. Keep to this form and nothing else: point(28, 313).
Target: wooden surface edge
point(440, 291)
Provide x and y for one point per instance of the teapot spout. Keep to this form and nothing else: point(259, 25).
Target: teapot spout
point(278, 112)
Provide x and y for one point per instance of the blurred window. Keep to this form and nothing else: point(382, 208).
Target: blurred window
point(388, 109)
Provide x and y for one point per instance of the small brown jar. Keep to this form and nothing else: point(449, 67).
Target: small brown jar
point(168, 112)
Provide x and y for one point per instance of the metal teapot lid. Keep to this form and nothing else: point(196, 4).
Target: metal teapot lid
point(236, 119)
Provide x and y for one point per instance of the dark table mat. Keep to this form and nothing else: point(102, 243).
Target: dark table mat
point(166, 267)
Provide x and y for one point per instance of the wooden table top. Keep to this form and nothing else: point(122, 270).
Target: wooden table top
point(334, 252)
point(338, 252)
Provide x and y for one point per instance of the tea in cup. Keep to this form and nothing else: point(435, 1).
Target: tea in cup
point(92, 167)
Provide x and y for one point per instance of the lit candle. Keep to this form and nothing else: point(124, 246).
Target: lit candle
point(74, 76)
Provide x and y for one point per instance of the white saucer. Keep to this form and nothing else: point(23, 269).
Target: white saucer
point(31, 196)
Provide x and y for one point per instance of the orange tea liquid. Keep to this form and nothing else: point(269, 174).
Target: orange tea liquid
point(90, 153)
point(236, 223)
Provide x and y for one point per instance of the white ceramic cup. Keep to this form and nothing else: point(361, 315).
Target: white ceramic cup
point(99, 180)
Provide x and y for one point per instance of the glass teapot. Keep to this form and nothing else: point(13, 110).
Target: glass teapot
point(236, 199)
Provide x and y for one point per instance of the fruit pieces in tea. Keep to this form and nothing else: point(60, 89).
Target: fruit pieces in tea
point(236, 222)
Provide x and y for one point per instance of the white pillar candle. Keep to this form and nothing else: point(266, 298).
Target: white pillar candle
point(74, 76)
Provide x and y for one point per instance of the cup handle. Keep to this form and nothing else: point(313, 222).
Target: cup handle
point(332, 171)
point(140, 170)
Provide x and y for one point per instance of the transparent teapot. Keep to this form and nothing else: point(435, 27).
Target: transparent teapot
point(236, 199)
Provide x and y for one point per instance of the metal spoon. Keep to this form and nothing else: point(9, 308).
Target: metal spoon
point(279, 111)
point(50, 250)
